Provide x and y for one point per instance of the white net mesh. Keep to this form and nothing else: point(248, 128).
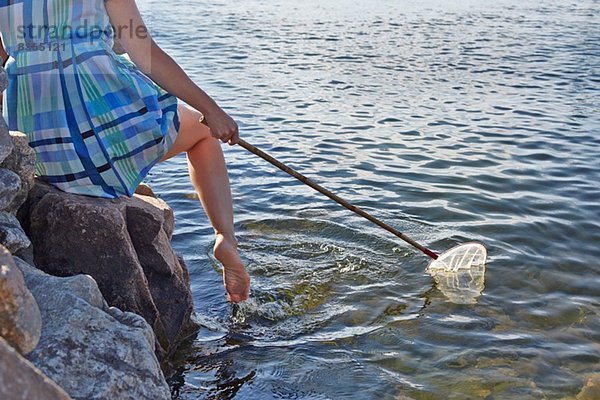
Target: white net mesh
point(463, 257)
point(460, 272)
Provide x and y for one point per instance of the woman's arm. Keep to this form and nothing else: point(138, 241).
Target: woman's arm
point(162, 69)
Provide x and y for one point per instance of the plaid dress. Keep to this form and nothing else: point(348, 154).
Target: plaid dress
point(97, 124)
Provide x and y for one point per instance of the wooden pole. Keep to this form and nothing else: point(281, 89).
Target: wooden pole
point(335, 197)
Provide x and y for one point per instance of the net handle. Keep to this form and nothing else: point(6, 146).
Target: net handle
point(252, 149)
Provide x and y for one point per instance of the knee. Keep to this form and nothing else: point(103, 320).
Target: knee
point(203, 145)
point(189, 116)
point(190, 120)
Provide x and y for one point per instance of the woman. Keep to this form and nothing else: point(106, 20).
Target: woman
point(98, 122)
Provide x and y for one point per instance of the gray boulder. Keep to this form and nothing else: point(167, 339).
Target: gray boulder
point(20, 321)
point(12, 235)
point(3, 79)
point(88, 349)
point(10, 185)
point(124, 244)
point(21, 380)
point(21, 160)
point(6, 143)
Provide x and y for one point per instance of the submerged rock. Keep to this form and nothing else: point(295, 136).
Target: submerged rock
point(21, 380)
point(20, 321)
point(591, 389)
point(88, 349)
point(124, 244)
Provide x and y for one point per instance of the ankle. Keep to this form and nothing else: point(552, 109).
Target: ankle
point(226, 252)
point(228, 237)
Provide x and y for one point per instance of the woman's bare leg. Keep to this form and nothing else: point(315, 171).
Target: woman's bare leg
point(208, 174)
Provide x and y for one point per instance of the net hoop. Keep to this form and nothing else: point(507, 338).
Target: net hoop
point(462, 257)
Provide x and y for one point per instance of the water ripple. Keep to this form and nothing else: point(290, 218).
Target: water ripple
point(453, 121)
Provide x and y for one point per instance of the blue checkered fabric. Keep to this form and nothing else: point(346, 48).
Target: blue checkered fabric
point(97, 124)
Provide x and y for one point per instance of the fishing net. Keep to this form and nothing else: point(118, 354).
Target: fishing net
point(460, 272)
point(462, 257)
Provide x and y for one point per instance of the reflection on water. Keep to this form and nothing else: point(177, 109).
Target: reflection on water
point(463, 286)
point(454, 121)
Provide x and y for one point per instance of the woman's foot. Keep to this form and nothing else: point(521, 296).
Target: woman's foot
point(235, 277)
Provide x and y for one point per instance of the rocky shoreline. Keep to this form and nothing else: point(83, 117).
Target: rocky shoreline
point(93, 299)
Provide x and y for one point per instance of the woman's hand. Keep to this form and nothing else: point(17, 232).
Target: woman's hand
point(135, 39)
point(222, 126)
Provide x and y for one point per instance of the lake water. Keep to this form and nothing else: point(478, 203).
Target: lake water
point(451, 120)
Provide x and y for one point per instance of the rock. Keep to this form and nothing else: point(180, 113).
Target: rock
point(6, 143)
point(3, 79)
point(10, 185)
point(591, 389)
point(124, 244)
point(89, 350)
point(20, 320)
point(145, 190)
point(12, 235)
point(3, 82)
point(21, 380)
point(21, 161)
point(82, 286)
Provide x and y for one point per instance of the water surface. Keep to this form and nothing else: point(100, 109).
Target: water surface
point(453, 121)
